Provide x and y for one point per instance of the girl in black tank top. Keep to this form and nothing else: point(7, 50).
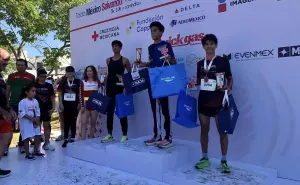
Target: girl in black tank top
point(115, 67)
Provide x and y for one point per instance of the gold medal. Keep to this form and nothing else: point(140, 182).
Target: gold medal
point(205, 79)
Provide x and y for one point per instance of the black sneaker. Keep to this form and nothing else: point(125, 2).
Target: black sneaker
point(38, 154)
point(5, 153)
point(71, 141)
point(30, 157)
point(65, 144)
point(4, 173)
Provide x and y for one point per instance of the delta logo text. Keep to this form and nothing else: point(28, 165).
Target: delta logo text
point(251, 55)
point(179, 40)
point(187, 20)
point(187, 8)
point(289, 51)
point(113, 6)
point(142, 25)
point(222, 7)
point(106, 33)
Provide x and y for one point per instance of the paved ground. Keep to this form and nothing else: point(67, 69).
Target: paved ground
point(55, 130)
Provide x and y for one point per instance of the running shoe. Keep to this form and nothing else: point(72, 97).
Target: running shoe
point(64, 145)
point(152, 141)
point(30, 157)
point(166, 143)
point(224, 167)
point(4, 173)
point(38, 154)
point(48, 147)
point(70, 140)
point(59, 138)
point(203, 163)
point(123, 139)
point(107, 139)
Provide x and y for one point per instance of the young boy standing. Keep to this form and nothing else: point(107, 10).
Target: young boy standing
point(46, 98)
point(159, 51)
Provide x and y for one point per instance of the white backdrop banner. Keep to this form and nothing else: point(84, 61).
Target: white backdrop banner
point(261, 39)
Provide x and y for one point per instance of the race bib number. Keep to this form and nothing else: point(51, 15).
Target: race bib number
point(135, 75)
point(210, 85)
point(70, 97)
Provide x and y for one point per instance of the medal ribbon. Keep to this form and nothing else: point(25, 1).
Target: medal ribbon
point(207, 68)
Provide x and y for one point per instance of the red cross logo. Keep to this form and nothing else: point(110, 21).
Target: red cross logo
point(164, 51)
point(95, 35)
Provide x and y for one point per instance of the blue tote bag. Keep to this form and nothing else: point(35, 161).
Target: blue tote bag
point(99, 101)
point(136, 81)
point(228, 115)
point(186, 110)
point(124, 105)
point(167, 80)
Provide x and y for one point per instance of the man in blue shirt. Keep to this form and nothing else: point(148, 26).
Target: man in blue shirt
point(160, 53)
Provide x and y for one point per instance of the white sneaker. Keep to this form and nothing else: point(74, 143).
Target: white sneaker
point(60, 138)
point(48, 147)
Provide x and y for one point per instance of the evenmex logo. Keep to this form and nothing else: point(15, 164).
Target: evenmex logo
point(251, 55)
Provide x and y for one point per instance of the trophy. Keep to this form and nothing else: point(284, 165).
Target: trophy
point(138, 54)
point(102, 72)
point(220, 80)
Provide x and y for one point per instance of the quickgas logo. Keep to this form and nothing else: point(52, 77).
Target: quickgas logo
point(194, 39)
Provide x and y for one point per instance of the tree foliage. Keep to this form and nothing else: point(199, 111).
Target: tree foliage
point(26, 21)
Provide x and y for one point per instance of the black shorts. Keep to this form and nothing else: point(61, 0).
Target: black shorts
point(45, 117)
point(208, 111)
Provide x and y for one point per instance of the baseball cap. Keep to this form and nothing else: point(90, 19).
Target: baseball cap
point(42, 72)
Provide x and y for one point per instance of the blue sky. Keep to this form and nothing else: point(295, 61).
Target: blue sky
point(31, 50)
point(48, 42)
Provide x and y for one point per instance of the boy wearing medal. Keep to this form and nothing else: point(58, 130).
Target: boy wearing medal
point(68, 95)
point(211, 73)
